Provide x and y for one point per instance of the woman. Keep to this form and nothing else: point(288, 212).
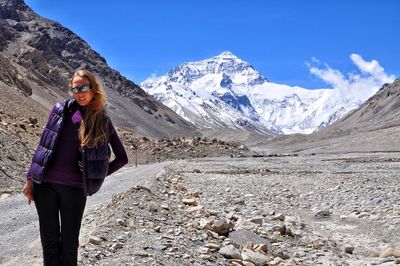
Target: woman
point(71, 162)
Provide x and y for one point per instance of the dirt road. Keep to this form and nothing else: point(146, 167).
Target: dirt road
point(19, 233)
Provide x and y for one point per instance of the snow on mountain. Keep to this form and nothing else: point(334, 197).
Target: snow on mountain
point(227, 92)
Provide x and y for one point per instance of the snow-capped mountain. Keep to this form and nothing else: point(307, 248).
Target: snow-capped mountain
point(227, 92)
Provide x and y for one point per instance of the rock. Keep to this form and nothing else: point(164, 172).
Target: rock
point(5, 195)
point(164, 206)
point(116, 246)
point(263, 247)
point(195, 194)
point(22, 125)
point(191, 202)
point(212, 212)
point(390, 252)
point(160, 247)
point(122, 222)
point(323, 213)
point(94, 240)
point(276, 261)
point(33, 120)
point(204, 250)
point(279, 217)
point(247, 263)
point(242, 236)
point(349, 249)
point(194, 209)
point(212, 246)
point(212, 234)
point(363, 215)
point(205, 257)
point(257, 220)
point(141, 254)
point(230, 252)
point(257, 258)
point(205, 224)
point(222, 226)
point(230, 215)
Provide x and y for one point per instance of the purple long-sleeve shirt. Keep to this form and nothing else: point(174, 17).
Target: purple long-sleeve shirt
point(63, 167)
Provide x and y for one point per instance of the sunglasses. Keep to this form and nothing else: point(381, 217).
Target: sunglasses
point(84, 88)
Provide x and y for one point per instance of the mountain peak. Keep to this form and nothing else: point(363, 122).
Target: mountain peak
point(227, 54)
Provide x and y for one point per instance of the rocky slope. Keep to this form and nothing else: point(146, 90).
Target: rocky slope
point(47, 53)
point(322, 210)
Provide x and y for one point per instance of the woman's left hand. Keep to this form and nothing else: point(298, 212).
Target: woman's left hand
point(28, 190)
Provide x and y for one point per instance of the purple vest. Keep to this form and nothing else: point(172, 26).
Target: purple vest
point(95, 160)
point(47, 144)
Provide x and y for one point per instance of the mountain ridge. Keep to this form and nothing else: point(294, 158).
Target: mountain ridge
point(46, 54)
point(229, 85)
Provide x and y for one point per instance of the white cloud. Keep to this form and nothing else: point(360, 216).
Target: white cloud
point(356, 86)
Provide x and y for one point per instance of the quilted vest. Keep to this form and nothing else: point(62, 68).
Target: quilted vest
point(95, 159)
point(48, 140)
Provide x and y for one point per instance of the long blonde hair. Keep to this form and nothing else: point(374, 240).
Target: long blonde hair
point(93, 130)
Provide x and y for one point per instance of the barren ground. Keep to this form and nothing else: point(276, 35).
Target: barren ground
point(327, 210)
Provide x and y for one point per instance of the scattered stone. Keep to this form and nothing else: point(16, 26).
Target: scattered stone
point(276, 261)
point(230, 252)
point(323, 213)
point(363, 215)
point(94, 240)
point(257, 220)
point(164, 206)
point(349, 249)
point(4, 195)
point(195, 208)
point(33, 120)
point(247, 263)
point(257, 258)
point(195, 194)
point(212, 246)
point(122, 222)
point(222, 226)
point(242, 236)
point(390, 252)
point(141, 254)
point(278, 217)
point(191, 202)
point(116, 246)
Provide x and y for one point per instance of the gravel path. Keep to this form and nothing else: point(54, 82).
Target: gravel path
point(19, 233)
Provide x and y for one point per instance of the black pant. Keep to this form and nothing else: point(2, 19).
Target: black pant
point(60, 209)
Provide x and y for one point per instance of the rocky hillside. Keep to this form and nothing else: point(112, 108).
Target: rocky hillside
point(374, 126)
point(46, 54)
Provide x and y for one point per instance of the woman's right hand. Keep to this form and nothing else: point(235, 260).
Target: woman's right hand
point(28, 190)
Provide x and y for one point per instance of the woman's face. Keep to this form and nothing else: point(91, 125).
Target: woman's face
point(83, 98)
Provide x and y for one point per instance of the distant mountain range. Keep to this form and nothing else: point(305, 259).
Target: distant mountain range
point(373, 127)
point(227, 92)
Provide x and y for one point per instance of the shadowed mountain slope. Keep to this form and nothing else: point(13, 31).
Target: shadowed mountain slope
point(46, 54)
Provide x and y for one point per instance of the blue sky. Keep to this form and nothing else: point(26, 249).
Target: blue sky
point(278, 37)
